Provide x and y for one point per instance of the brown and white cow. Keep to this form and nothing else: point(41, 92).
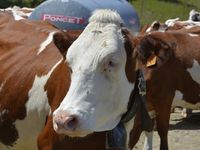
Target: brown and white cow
point(103, 73)
point(190, 26)
point(175, 77)
point(19, 13)
point(174, 24)
point(34, 78)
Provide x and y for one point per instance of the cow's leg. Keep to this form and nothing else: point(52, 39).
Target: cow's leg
point(148, 143)
point(162, 120)
point(135, 132)
point(186, 113)
point(134, 136)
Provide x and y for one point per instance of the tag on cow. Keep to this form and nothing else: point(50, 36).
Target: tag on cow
point(151, 61)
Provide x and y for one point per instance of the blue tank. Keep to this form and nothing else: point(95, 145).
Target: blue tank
point(74, 14)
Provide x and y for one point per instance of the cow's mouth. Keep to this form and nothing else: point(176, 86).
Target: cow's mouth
point(73, 133)
point(77, 134)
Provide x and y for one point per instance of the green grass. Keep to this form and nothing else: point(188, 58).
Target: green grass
point(151, 10)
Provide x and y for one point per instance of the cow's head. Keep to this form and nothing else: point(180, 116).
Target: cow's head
point(194, 15)
point(101, 77)
point(154, 49)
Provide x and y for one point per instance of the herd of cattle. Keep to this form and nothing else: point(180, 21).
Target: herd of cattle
point(65, 89)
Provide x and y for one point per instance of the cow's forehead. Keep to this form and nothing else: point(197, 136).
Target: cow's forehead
point(99, 39)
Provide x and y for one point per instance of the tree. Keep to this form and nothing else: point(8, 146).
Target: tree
point(175, 1)
point(20, 3)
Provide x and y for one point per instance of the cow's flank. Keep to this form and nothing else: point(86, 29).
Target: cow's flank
point(28, 59)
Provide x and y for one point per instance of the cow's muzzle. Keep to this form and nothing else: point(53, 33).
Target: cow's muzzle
point(63, 122)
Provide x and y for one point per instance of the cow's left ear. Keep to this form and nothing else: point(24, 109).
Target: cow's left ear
point(62, 41)
point(153, 51)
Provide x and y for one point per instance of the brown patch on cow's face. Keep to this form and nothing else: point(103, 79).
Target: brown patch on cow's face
point(64, 40)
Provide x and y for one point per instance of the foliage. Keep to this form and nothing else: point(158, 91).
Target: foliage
point(161, 10)
point(148, 10)
point(20, 3)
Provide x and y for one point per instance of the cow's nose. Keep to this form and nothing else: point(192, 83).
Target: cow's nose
point(63, 121)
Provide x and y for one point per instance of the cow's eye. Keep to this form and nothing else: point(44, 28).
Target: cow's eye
point(109, 66)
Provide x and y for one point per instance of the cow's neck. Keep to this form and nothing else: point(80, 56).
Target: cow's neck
point(58, 85)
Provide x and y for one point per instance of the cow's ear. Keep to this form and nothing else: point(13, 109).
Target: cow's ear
point(156, 25)
point(62, 41)
point(153, 51)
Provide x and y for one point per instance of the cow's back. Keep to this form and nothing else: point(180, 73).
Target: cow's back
point(187, 69)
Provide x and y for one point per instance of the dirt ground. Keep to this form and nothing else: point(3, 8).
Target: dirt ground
point(184, 134)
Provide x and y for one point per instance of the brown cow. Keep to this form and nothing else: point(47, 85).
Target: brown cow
point(174, 74)
point(191, 26)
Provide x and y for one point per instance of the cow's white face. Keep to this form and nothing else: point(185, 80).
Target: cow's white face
point(99, 91)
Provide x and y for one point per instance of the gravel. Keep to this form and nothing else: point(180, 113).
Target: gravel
point(184, 134)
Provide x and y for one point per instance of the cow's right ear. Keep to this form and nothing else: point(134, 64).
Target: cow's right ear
point(62, 41)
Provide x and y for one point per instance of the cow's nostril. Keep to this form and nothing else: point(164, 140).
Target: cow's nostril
point(72, 123)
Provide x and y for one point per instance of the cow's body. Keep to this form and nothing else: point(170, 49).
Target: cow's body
point(174, 24)
point(192, 27)
point(18, 13)
point(174, 79)
point(28, 60)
